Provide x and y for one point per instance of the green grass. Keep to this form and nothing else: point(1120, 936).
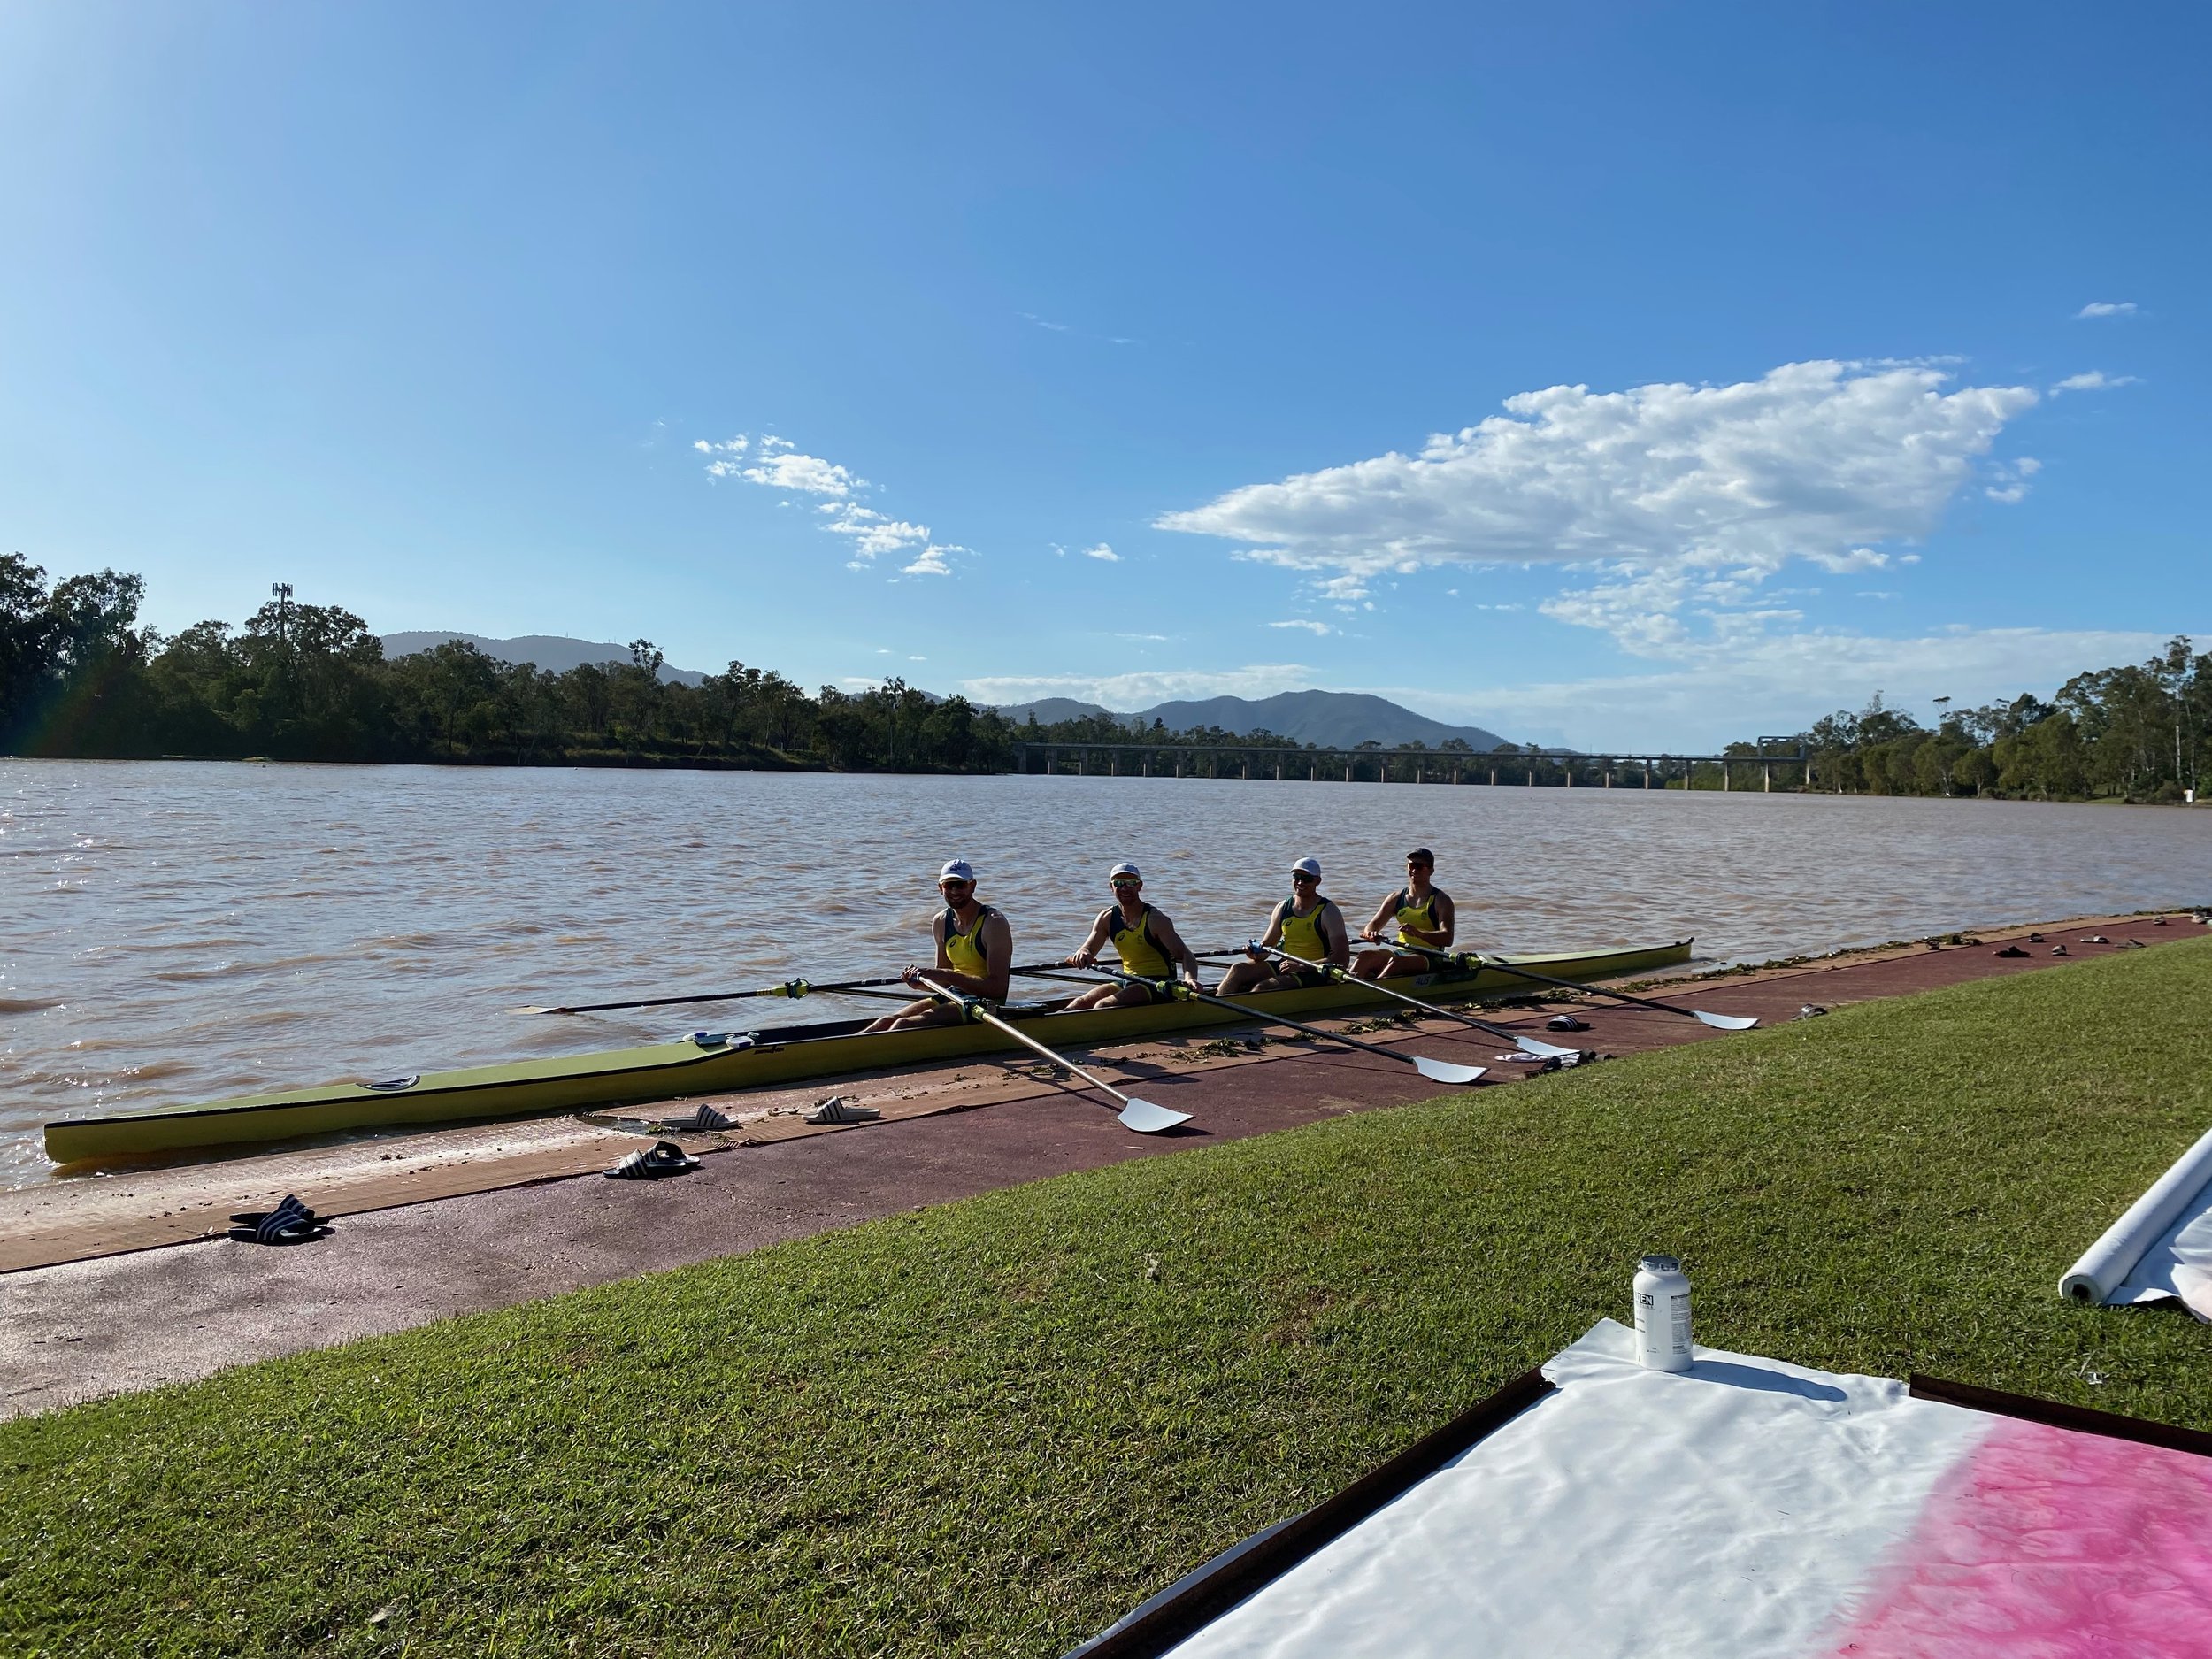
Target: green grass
point(993, 1426)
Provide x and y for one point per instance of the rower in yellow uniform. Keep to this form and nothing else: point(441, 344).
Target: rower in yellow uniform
point(1308, 926)
point(975, 955)
point(1422, 915)
point(1142, 937)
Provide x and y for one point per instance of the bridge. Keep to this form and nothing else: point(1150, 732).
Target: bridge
point(1528, 768)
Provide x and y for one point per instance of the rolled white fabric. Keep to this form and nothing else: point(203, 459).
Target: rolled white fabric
point(2105, 1265)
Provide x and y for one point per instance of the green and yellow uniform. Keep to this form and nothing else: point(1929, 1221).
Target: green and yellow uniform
point(966, 951)
point(1301, 937)
point(1139, 952)
point(1422, 916)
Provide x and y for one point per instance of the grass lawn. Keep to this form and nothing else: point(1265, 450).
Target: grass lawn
point(993, 1426)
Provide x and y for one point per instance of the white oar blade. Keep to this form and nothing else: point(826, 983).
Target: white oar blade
point(1444, 1070)
point(1549, 1050)
point(1148, 1119)
point(1727, 1022)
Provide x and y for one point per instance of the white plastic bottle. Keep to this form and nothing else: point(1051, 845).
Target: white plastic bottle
point(1663, 1314)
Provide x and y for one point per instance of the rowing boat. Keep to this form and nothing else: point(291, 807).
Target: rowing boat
point(725, 1062)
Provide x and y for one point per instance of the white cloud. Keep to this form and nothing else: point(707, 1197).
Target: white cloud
point(1309, 627)
point(1859, 558)
point(775, 462)
point(931, 560)
point(2094, 380)
point(1102, 551)
point(2011, 483)
point(1664, 489)
point(1142, 690)
point(2106, 308)
point(1815, 457)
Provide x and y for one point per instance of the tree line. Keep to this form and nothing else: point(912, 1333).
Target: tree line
point(80, 677)
point(2138, 732)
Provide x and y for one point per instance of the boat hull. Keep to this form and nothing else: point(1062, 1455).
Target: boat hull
point(682, 1070)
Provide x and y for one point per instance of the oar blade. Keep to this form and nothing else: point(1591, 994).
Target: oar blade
point(1148, 1119)
point(1727, 1022)
point(1548, 1051)
point(1444, 1070)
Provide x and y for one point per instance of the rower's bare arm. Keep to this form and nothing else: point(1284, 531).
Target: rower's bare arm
point(1177, 951)
point(1087, 952)
point(998, 947)
point(1334, 935)
point(1440, 936)
point(1274, 933)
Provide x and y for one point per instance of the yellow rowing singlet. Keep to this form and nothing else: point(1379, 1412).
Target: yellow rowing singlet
point(1139, 952)
point(966, 951)
point(1422, 916)
point(1302, 935)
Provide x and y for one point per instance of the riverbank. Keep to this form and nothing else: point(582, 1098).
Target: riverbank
point(992, 1425)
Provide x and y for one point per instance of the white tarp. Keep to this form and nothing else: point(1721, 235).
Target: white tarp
point(1750, 1507)
point(2161, 1247)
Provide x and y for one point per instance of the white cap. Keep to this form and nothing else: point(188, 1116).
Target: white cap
point(1125, 868)
point(1307, 867)
point(958, 869)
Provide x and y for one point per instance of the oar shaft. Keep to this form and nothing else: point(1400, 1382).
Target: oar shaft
point(794, 988)
point(1345, 978)
point(1173, 989)
point(974, 1006)
point(1472, 959)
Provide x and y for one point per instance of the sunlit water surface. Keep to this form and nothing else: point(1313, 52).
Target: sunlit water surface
point(179, 931)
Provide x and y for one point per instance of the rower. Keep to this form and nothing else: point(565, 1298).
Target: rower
point(1305, 925)
point(1422, 914)
point(975, 954)
point(1142, 937)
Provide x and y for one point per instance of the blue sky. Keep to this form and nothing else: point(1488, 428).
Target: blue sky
point(1886, 322)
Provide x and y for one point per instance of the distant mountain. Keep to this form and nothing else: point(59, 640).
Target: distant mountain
point(555, 653)
point(1338, 718)
point(1050, 709)
point(1342, 719)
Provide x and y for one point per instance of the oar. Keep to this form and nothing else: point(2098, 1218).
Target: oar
point(1140, 1114)
point(792, 988)
point(1527, 1045)
point(1435, 1070)
point(1470, 959)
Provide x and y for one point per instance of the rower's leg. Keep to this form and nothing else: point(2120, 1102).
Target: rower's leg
point(909, 1017)
point(1242, 976)
point(1372, 964)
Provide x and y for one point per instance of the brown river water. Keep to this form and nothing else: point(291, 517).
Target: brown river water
point(180, 931)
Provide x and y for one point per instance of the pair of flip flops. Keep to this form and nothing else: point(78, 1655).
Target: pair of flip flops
point(1566, 1022)
point(291, 1222)
point(662, 1158)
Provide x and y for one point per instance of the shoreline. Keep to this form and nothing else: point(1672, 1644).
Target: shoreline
point(123, 1287)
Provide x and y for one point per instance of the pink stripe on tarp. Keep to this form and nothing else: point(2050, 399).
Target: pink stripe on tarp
point(2047, 1544)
